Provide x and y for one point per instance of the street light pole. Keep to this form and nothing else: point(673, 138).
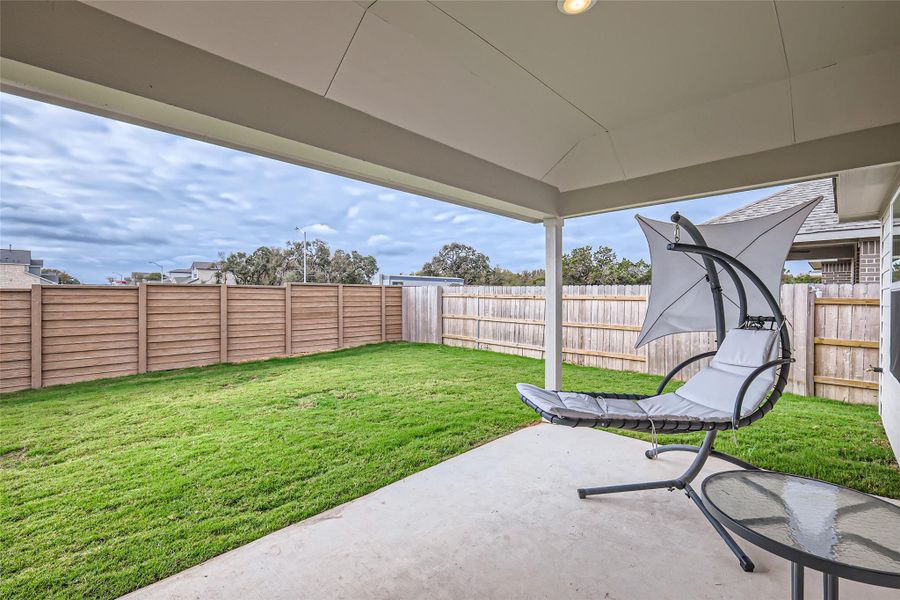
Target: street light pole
point(153, 262)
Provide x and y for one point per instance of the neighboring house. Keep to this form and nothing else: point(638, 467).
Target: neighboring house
point(19, 270)
point(418, 280)
point(845, 252)
point(199, 272)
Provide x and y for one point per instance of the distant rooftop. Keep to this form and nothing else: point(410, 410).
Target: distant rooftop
point(15, 257)
point(205, 265)
point(823, 218)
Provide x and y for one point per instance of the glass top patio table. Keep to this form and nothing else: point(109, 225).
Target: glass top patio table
point(841, 532)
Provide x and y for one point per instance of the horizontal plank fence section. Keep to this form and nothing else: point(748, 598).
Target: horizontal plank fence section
point(834, 330)
point(62, 334)
point(15, 340)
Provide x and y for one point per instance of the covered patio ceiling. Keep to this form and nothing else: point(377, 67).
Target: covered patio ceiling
point(508, 107)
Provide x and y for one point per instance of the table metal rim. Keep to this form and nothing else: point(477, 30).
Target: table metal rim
point(817, 563)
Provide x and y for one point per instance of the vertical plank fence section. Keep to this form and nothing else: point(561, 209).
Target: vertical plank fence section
point(88, 333)
point(421, 307)
point(15, 339)
point(846, 342)
point(834, 337)
point(256, 322)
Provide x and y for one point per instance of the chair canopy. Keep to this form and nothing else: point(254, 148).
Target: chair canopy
point(680, 299)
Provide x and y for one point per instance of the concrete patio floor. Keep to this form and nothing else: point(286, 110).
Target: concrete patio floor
point(504, 521)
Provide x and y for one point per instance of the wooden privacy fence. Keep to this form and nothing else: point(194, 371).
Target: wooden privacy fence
point(834, 330)
point(62, 334)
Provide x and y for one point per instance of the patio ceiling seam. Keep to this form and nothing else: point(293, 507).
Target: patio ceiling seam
point(549, 87)
point(347, 49)
point(521, 66)
point(787, 70)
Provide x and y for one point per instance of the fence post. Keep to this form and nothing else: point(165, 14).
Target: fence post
point(288, 328)
point(223, 322)
point(439, 315)
point(810, 357)
point(37, 319)
point(340, 315)
point(383, 317)
point(142, 328)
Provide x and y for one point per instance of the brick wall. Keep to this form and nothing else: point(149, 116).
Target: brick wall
point(840, 271)
point(867, 260)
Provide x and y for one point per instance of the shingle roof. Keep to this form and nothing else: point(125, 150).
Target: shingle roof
point(199, 264)
point(822, 219)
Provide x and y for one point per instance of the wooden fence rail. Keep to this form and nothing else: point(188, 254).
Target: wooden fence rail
point(62, 334)
point(834, 330)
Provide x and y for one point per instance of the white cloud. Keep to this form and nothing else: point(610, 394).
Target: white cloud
point(320, 229)
point(387, 196)
point(354, 191)
point(353, 211)
point(378, 239)
point(459, 219)
point(442, 216)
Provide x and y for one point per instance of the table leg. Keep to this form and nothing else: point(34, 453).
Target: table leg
point(830, 583)
point(796, 581)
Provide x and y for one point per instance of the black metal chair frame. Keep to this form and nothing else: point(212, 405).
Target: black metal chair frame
point(733, 268)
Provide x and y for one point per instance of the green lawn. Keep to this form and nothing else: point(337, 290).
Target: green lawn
point(110, 485)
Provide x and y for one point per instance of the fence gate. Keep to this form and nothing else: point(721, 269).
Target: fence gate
point(846, 342)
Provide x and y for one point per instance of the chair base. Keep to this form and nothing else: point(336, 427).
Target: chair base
point(653, 453)
point(704, 451)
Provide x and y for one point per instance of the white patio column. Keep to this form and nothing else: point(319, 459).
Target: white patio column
point(553, 304)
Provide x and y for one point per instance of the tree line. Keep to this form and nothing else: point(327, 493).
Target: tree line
point(581, 266)
point(271, 265)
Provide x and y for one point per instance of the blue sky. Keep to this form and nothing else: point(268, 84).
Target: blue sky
point(95, 197)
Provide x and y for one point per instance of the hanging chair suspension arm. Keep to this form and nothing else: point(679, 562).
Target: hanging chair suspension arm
point(712, 274)
point(741, 292)
point(746, 385)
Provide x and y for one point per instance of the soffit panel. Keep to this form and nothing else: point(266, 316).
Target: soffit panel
point(298, 42)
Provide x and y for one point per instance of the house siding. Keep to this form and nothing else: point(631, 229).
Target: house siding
point(14, 276)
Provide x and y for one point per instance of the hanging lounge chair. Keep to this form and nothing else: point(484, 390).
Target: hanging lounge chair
point(746, 374)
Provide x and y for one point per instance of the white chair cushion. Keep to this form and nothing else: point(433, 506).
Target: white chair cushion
point(717, 385)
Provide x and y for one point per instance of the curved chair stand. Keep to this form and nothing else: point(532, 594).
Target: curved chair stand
point(658, 414)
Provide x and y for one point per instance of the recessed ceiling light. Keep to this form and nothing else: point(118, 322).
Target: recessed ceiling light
point(574, 7)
